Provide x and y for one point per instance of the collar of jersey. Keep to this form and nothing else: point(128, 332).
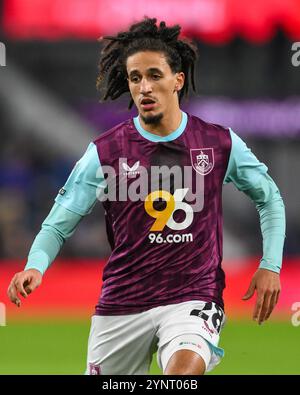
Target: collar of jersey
point(154, 137)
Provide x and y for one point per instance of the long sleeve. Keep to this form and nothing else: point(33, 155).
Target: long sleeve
point(59, 225)
point(75, 200)
point(250, 176)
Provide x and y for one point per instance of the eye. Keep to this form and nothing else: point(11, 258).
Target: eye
point(134, 79)
point(156, 76)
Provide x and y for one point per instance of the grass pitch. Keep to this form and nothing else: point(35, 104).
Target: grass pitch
point(59, 347)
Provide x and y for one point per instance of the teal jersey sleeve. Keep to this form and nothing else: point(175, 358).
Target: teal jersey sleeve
point(85, 183)
point(244, 169)
point(250, 176)
point(59, 225)
point(76, 199)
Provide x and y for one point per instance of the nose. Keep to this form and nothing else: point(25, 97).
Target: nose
point(145, 86)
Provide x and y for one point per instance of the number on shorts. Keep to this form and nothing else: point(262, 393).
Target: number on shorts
point(216, 318)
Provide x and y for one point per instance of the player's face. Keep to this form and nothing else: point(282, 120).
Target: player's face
point(153, 85)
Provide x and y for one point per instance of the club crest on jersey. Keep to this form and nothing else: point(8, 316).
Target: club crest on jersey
point(132, 171)
point(203, 160)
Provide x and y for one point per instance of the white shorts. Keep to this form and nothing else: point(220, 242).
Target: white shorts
point(125, 344)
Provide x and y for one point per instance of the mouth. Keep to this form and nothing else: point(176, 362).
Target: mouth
point(148, 104)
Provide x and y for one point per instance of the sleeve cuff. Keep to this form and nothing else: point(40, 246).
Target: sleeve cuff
point(265, 265)
point(38, 260)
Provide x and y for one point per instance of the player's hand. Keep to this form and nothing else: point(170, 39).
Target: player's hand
point(267, 286)
point(23, 283)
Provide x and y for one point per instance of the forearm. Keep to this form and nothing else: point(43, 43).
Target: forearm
point(270, 207)
point(57, 227)
point(272, 223)
point(44, 249)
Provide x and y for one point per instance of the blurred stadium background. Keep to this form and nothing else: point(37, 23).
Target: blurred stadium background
point(50, 111)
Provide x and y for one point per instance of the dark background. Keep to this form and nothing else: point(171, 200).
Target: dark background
point(50, 110)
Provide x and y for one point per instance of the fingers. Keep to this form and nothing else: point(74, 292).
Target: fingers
point(266, 301)
point(271, 305)
point(28, 290)
point(277, 296)
point(258, 305)
point(17, 286)
point(267, 286)
point(250, 291)
point(31, 285)
point(23, 283)
point(265, 307)
point(274, 301)
point(13, 294)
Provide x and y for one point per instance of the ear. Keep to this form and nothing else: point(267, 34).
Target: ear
point(180, 78)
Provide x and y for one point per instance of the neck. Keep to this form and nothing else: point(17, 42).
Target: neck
point(169, 123)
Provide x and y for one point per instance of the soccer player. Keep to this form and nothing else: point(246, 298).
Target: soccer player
point(159, 177)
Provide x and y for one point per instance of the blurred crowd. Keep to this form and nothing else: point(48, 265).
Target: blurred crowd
point(252, 88)
point(30, 177)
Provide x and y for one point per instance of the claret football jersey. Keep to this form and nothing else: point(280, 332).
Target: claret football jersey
point(162, 197)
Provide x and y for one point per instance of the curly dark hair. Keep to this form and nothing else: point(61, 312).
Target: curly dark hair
point(181, 55)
